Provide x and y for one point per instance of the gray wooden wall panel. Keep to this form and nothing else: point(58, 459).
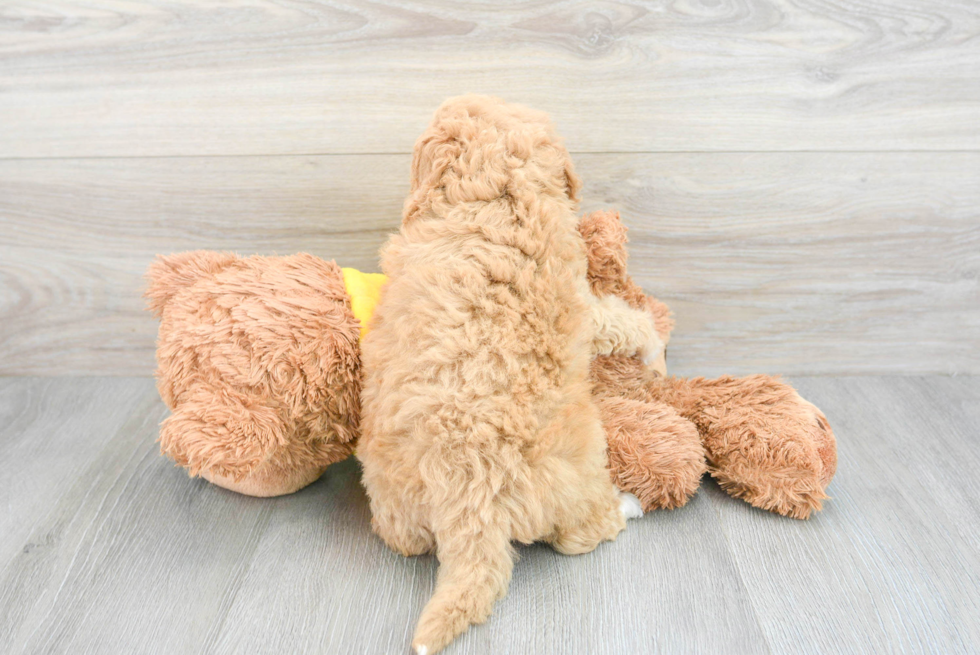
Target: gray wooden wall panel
point(195, 77)
point(801, 177)
point(777, 262)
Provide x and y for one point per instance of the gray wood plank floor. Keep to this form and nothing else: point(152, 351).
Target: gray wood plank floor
point(105, 547)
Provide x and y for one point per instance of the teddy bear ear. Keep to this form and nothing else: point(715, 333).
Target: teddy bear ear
point(605, 242)
point(167, 275)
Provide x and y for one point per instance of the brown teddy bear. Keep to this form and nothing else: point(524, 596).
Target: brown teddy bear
point(259, 360)
point(759, 439)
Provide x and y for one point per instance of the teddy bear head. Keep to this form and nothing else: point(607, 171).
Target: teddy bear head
point(259, 361)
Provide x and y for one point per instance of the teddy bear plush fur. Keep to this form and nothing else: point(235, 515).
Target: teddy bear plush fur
point(755, 435)
point(259, 360)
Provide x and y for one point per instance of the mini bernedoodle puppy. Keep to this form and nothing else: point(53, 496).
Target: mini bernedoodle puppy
point(479, 427)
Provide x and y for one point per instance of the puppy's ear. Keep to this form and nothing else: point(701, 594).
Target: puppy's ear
point(434, 152)
point(573, 184)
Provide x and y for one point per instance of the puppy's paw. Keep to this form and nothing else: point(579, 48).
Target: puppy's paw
point(650, 351)
point(421, 650)
point(630, 506)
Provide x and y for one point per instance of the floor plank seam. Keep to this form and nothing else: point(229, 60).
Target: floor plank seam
point(573, 153)
point(100, 512)
point(741, 576)
point(243, 562)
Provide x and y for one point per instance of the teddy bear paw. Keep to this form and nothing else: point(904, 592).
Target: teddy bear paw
point(773, 449)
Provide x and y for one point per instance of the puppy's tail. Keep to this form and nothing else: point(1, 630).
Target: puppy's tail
point(475, 564)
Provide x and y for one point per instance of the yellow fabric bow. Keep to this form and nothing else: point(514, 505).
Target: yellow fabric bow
point(364, 290)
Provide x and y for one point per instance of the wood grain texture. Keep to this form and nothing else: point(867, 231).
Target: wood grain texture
point(893, 562)
point(129, 557)
point(832, 263)
point(110, 78)
point(122, 552)
point(136, 557)
point(52, 430)
point(665, 582)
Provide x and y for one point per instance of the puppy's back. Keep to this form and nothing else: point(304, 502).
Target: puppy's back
point(473, 349)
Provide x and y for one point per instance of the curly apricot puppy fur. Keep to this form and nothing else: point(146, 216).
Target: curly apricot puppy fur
point(479, 426)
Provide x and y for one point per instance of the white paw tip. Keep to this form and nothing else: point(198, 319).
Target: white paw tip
point(652, 354)
point(630, 505)
point(421, 650)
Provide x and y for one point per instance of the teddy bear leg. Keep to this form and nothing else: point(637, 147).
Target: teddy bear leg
point(654, 453)
point(236, 444)
point(764, 443)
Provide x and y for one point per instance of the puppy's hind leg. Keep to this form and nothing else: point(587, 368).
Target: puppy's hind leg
point(400, 527)
point(587, 506)
point(603, 522)
point(630, 505)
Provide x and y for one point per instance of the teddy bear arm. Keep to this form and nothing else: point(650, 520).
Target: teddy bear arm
point(245, 445)
point(654, 453)
point(764, 443)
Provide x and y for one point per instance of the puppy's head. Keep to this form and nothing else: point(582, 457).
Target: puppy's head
point(480, 148)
